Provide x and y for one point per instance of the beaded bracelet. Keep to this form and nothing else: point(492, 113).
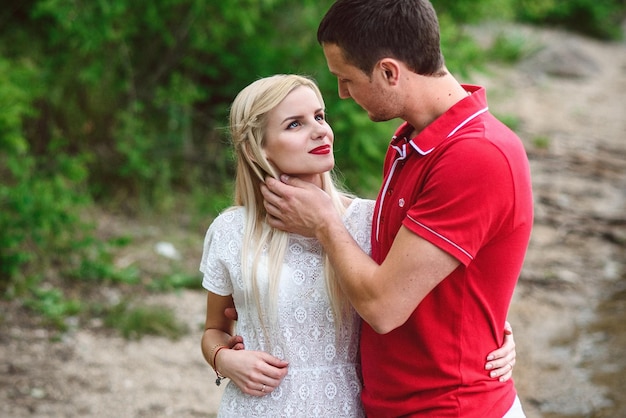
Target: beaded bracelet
point(219, 378)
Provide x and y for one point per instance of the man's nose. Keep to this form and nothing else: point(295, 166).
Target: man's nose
point(343, 91)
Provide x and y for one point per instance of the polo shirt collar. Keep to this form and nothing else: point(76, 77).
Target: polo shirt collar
point(445, 125)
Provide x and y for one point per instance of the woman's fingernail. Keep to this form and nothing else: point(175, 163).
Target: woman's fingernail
point(489, 366)
point(492, 374)
point(490, 357)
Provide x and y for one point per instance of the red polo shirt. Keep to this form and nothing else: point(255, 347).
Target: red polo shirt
point(464, 185)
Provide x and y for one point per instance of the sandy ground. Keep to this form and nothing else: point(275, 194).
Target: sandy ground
point(567, 312)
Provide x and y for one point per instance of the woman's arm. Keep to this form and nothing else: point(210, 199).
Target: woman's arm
point(255, 372)
point(217, 328)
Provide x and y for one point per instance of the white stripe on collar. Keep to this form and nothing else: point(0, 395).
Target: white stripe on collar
point(455, 130)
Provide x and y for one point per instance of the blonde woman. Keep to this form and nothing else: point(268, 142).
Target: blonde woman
point(301, 336)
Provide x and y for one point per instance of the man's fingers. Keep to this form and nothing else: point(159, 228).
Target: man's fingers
point(231, 313)
point(236, 342)
point(271, 208)
point(274, 187)
point(271, 200)
point(282, 187)
point(293, 181)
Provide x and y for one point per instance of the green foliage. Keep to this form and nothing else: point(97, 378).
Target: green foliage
point(16, 95)
point(359, 145)
point(39, 194)
point(471, 11)
point(15, 105)
point(141, 85)
point(124, 104)
point(53, 306)
point(461, 52)
point(134, 322)
point(101, 269)
point(598, 18)
point(39, 222)
point(510, 47)
point(175, 281)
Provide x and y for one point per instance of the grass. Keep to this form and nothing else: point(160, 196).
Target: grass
point(135, 322)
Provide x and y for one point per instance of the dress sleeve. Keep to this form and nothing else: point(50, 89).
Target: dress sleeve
point(221, 254)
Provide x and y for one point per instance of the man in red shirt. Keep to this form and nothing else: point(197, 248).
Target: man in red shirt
point(452, 220)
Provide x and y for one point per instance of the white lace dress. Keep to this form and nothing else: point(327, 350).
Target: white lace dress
point(324, 374)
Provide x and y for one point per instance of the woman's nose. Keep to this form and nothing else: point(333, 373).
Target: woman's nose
point(319, 132)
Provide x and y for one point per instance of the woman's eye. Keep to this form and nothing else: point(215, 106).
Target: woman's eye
point(293, 124)
point(319, 117)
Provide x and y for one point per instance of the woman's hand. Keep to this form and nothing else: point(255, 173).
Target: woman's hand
point(255, 373)
point(501, 361)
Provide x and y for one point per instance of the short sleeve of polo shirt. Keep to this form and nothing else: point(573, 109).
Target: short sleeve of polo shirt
point(465, 199)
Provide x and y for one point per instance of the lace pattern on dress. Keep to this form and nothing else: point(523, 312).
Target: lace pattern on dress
point(324, 375)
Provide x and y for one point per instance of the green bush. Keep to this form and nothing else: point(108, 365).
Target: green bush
point(142, 86)
point(598, 18)
point(124, 104)
point(39, 195)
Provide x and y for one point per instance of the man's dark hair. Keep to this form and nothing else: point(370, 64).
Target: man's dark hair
point(369, 30)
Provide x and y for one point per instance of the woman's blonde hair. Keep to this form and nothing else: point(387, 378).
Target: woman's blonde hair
point(248, 122)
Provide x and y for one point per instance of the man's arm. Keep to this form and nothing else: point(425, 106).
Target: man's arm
point(384, 295)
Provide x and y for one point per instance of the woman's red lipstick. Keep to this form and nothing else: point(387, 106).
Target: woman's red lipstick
point(324, 149)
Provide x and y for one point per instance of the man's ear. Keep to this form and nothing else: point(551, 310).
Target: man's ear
point(389, 69)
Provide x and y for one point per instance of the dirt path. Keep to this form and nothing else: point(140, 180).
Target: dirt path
point(570, 346)
point(567, 312)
